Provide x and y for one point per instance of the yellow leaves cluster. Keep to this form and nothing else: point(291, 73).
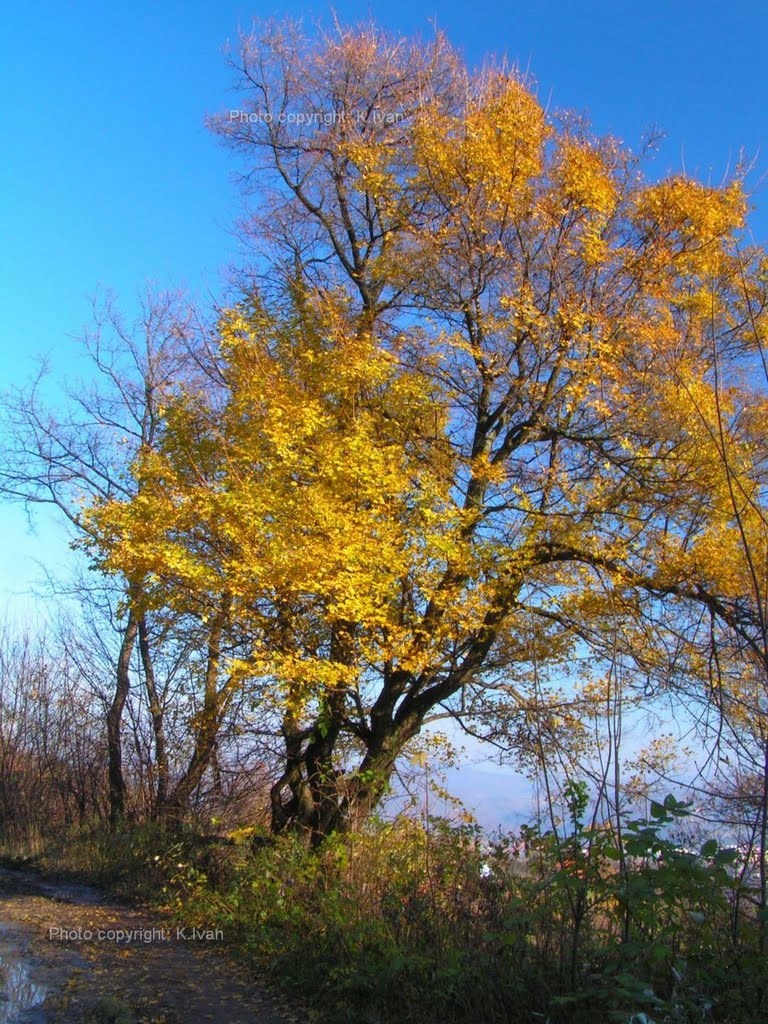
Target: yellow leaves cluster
point(687, 222)
point(372, 159)
point(323, 484)
point(582, 191)
point(706, 212)
point(492, 150)
point(582, 177)
point(721, 531)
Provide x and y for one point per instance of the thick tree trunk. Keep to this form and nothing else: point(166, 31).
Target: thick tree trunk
point(117, 788)
point(296, 814)
point(313, 798)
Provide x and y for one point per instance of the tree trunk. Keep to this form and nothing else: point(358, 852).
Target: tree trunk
point(117, 788)
point(322, 799)
point(156, 711)
point(215, 702)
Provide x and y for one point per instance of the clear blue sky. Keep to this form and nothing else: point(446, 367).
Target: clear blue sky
point(108, 177)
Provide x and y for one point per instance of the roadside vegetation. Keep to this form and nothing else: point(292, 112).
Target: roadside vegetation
point(428, 920)
point(584, 913)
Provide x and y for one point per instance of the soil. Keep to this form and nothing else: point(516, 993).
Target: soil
point(70, 955)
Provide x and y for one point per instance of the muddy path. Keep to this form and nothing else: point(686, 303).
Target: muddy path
point(70, 955)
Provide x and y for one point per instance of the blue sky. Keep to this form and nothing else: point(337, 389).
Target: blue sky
point(109, 178)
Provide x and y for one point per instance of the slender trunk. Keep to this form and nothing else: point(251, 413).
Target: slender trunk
point(117, 788)
point(763, 850)
point(157, 714)
point(215, 702)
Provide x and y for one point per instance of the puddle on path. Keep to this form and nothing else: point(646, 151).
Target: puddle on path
point(19, 992)
point(71, 892)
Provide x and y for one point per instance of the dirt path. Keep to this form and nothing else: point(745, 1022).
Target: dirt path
point(68, 955)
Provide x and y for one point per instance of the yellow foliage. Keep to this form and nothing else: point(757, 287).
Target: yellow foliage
point(583, 179)
point(492, 151)
point(687, 221)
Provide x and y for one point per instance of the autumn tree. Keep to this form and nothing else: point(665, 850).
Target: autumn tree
point(79, 451)
point(718, 555)
point(442, 450)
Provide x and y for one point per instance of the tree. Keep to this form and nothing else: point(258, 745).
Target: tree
point(444, 450)
point(721, 557)
point(81, 453)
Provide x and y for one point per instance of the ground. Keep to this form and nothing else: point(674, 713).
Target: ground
point(65, 958)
